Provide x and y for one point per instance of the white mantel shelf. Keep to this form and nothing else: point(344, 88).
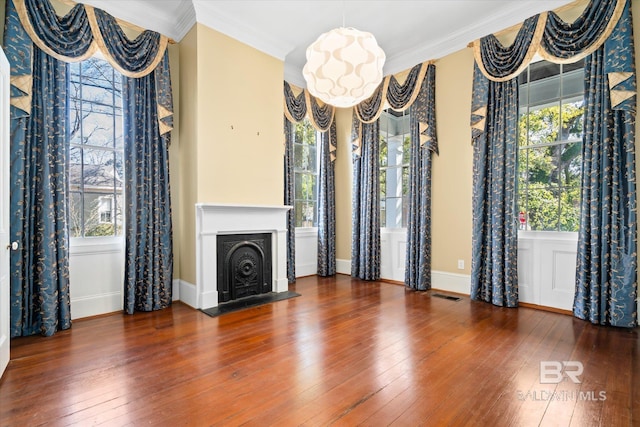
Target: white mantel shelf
point(213, 219)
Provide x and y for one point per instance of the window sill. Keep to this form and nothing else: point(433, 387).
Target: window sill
point(571, 236)
point(306, 231)
point(393, 230)
point(95, 245)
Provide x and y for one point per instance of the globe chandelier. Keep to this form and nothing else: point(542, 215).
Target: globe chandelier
point(344, 66)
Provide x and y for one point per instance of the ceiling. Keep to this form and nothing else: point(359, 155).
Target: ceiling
point(409, 32)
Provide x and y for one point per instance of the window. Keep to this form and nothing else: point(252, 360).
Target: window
point(106, 209)
point(305, 158)
point(94, 132)
point(550, 146)
point(395, 143)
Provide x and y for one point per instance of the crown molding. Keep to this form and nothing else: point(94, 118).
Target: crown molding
point(514, 14)
point(161, 20)
point(185, 21)
point(209, 14)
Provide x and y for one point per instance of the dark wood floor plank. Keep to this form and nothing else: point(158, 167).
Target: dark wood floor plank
point(346, 352)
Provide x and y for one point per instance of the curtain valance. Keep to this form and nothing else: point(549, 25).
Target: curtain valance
point(75, 37)
point(602, 23)
point(396, 91)
point(297, 107)
point(552, 38)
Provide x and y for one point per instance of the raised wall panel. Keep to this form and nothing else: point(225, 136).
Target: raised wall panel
point(306, 251)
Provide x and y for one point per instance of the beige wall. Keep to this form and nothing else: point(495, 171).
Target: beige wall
point(174, 158)
point(344, 174)
point(452, 169)
point(240, 126)
point(231, 133)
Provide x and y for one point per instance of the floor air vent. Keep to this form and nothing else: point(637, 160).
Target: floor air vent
point(449, 297)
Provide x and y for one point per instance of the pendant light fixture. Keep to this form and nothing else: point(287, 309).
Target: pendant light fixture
point(344, 66)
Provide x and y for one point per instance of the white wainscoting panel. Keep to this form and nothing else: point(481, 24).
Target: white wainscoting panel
point(306, 251)
point(393, 244)
point(547, 268)
point(96, 276)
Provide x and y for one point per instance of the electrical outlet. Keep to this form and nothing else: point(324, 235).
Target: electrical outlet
point(460, 264)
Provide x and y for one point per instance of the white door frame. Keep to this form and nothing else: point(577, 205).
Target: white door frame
point(5, 247)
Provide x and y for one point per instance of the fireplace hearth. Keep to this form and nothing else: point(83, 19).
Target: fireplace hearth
point(244, 265)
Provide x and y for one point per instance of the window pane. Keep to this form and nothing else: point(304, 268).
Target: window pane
point(118, 134)
point(99, 171)
point(383, 151)
point(75, 168)
point(543, 208)
point(304, 157)
point(572, 120)
point(542, 165)
point(305, 214)
point(395, 152)
point(570, 209)
point(94, 173)
point(394, 182)
point(570, 165)
point(119, 171)
point(393, 206)
point(572, 83)
point(544, 124)
point(75, 214)
point(98, 129)
point(94, 205)
point(405, 181)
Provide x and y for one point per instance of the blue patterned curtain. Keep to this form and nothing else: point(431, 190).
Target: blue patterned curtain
point(321, 117)
point(423, 144)
point(365, 238)
point(365, 243)
point(606, 274)
point(39, 299)
point(289, 195)
point(327, 204)
point(149, 246)
point(494, 272)
point(35, 35)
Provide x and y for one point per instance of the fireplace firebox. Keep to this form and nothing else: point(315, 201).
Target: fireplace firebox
point(243, 265)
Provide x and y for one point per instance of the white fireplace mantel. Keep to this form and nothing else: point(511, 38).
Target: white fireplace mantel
point(214, 219)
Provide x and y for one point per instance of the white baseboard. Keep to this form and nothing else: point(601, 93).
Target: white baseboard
point(452, 282)
point(175, 290)
point(306, 270)
point(94, 305)
point(343, 266)
point(187, 293)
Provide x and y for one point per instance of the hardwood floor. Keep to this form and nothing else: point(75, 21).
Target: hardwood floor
point(345, 353)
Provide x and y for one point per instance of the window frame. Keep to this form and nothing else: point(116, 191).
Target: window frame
point(312, 173)
point(403, 167)
point(114, 152)
point(524, 191)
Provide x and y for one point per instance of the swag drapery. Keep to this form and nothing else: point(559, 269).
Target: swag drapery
point(606, 272)
point(38, 44)
point(413, 89)
point(321, 116)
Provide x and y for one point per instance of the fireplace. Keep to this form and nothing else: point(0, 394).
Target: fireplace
point(244, 265)
point(214, 221)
